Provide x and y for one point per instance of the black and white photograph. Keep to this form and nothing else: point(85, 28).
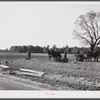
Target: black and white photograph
point(52, 46)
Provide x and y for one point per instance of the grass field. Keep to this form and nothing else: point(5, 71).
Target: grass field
point(76, 75)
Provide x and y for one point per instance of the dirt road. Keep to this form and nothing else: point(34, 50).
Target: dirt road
point(9, 85)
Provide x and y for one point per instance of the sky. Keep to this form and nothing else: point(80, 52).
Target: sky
point(40, 23)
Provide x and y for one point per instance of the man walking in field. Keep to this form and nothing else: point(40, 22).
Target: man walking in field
point(29, 54)
point(66, 52)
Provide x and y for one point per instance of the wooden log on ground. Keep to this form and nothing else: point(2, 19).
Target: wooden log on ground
point(23, 71)
point(27, 73)
point(31, 72)
point(4, 66)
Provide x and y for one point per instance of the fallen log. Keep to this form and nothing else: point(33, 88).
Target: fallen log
point(23, 71)
point(4, 66)
point(32, 72)
point(27, 73)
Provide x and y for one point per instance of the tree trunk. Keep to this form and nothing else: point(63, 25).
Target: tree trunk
point(92, 48)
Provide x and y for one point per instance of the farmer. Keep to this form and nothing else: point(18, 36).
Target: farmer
point(54, 52)
point(65, 52)
point(54, 47)
point(29, 54)
point(77, 54)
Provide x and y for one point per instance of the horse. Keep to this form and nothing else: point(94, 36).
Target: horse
point(49, 51)
point(95, 54)
point(88, 56)
point(55, 54)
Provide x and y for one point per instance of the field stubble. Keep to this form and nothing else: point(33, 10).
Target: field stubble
point(75, 75)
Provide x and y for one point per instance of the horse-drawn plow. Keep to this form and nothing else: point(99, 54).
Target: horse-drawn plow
point(85, 57)
point(56, 54)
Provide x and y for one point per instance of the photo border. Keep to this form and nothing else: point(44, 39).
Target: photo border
point(49, 97)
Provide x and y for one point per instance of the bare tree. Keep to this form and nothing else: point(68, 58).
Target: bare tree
point(88, 29)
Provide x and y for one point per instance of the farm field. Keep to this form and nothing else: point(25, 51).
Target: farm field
point(60, 76)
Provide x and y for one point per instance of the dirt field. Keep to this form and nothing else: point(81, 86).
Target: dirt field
point(60, 76)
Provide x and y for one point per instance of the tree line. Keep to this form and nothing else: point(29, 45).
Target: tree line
point(25, 49)
point(39, 49)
